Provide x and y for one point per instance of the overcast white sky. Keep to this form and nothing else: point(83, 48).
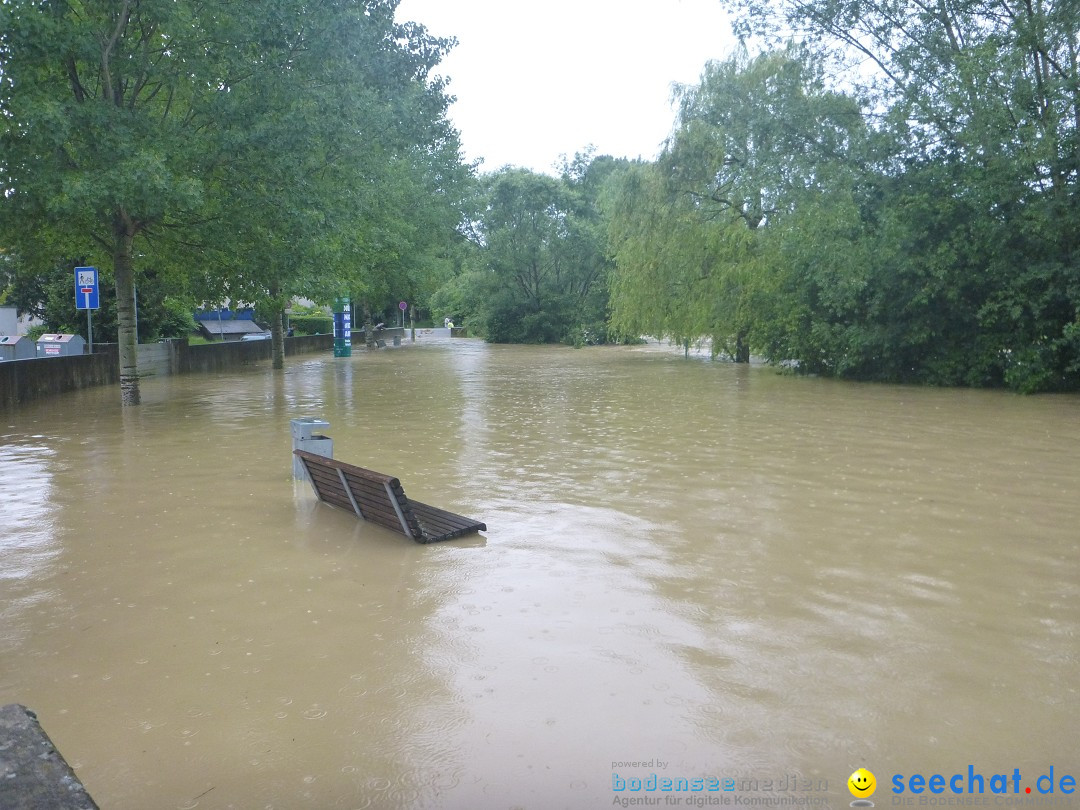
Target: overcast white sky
point(536, 79)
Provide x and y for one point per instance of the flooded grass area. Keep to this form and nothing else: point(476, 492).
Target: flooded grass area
point(692, 570)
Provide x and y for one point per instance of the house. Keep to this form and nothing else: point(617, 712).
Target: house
point(223, 324)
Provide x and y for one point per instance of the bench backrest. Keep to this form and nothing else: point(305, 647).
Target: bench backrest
point(381, 499)
point(368, 494)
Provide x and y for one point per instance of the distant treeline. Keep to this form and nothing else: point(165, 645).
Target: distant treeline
point(916, 219)
point(921, 226)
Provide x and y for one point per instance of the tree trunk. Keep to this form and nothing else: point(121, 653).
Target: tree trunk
point(369, 326)
point(277, 340)
point(742, 348)
point(277, 328)
point(127, 340)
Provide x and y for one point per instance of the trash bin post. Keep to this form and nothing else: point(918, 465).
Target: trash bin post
point(305, 438)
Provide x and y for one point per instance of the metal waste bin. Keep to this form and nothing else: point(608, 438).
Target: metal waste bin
point(60, 345)
point(17, 347)
point(304, 437)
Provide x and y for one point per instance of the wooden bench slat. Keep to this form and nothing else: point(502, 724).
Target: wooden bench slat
point(376, 500)
point(370, 489)
point(334, 464)
point(381, 499)
point(438, 527)
point(440, 517)
point(370, 495)
point(435, 524)
point(330, 489)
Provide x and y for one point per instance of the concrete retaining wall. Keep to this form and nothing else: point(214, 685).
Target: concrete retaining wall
point(27, 380)
point(158, 358)
point(236, 353)
point(33, 774)
point(41, 377)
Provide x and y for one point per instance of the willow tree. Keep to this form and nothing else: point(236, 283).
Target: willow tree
point(753, 140)
point(678, 276)
point(982, 98)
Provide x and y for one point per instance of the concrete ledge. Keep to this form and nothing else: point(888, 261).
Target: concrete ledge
point(33, 774)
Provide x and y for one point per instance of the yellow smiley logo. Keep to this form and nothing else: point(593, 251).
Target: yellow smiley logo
point(862, 784)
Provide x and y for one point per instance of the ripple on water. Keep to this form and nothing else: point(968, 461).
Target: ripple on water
point(395, 692)
point(796, 574)
point(29, 542)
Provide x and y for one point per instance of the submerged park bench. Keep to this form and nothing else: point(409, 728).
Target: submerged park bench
point(381, 499)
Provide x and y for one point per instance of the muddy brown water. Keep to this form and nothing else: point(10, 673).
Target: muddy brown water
point(692, 571)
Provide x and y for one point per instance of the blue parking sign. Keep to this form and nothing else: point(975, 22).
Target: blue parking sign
point(86, 288)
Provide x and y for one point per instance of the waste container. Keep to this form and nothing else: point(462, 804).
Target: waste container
point(304, 437)
point(60, 345)
point(17, 347)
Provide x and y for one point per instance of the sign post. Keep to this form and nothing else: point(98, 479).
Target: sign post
point(402, 306)
point(342, 328)
point(86, 297)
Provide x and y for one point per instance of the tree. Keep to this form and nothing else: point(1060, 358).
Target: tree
point(590, 178)
point(676, 276)
point(48, 294)
point(541, 267)
point(249, 136)
point(108, 109)
point(522, 225)
point(755, 141)
point(982, 100)
point(366, 159)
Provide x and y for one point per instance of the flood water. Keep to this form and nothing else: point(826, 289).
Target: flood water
point(692, 570)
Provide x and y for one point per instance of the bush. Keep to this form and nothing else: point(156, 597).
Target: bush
point(176, 320)
point(311, 324)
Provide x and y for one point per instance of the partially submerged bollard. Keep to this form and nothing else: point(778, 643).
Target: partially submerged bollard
point(305, 438)
point(33, 774)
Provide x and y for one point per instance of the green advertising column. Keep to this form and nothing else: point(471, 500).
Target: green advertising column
point(342, 328)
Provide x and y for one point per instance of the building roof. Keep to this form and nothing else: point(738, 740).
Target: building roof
point(230, 327)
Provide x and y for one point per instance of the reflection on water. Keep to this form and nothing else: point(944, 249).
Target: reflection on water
point(729, 571)
point(27, 543)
